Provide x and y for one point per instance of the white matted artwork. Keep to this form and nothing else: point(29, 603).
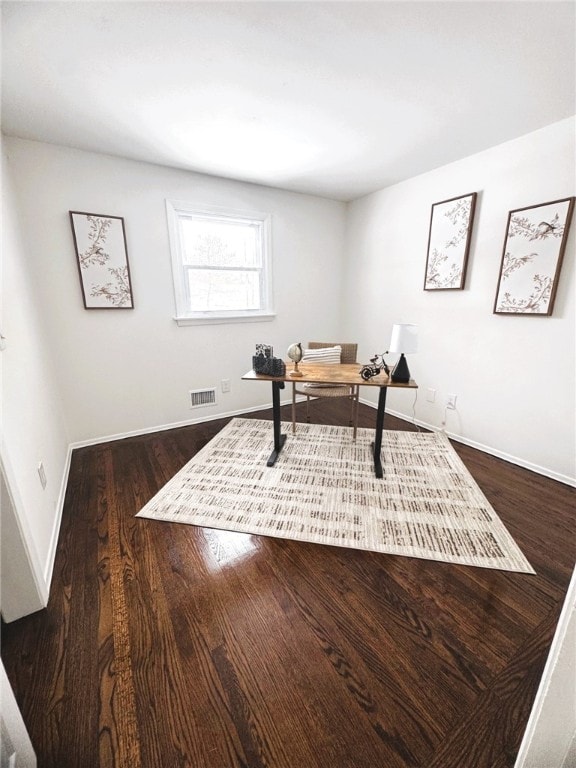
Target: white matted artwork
point(100, 243)
point(531, 258)
point(449, 243)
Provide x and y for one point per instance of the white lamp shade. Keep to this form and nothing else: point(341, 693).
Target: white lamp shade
point(404, 338)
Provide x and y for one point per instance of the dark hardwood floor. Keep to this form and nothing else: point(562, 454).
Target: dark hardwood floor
point(166, 646)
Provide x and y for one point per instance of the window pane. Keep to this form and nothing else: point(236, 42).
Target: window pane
point(221, 243)
point(212, 290)
point(220, 263)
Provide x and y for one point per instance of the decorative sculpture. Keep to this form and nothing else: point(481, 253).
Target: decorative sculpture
point(377, 364)
point(295, 354)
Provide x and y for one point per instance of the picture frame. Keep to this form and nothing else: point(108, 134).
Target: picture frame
point(102, 257)
point(532, 254)
point(449, 237)
point(265, 350)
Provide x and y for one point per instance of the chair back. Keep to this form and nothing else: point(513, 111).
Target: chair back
point(349, 351)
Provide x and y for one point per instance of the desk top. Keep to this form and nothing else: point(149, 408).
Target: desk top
point(343, 373)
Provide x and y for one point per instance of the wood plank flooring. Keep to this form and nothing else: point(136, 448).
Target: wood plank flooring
point(169, 646)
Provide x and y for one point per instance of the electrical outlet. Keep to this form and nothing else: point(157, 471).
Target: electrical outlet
point(225, 384)
point(451, 402)
point(431, 395)
point(42, 475)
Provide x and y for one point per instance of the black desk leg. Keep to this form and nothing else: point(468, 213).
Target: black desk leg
point(279, 439)
point(377, 444)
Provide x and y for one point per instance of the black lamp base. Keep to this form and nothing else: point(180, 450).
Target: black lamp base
point(401, 374)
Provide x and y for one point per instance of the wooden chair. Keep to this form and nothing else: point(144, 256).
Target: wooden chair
point(349, 353)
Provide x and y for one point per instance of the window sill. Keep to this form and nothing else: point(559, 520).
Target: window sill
point(265, 317)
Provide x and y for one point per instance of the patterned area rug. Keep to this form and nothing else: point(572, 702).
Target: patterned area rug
point(322, 489)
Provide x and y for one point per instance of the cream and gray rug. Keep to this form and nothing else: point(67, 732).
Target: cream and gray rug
point(322, 489)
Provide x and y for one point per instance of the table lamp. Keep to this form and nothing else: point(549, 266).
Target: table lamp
point(404, 340)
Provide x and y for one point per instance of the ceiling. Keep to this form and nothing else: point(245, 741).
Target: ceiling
point(336, 99)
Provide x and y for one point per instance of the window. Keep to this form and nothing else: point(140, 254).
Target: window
point(220, 264)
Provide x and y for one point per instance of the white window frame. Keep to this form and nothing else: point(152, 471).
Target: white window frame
point(176, 210)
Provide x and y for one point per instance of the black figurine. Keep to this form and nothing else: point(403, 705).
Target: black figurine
point(377, 364)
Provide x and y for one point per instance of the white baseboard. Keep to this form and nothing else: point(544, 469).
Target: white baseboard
point(554, 697)
point(229, 414)
point(566, 479)
point(176, 425)
point(49, 568)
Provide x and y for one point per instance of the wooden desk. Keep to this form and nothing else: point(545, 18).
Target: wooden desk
point(348, 373)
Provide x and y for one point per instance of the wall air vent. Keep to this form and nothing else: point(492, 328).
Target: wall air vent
point(201, 397)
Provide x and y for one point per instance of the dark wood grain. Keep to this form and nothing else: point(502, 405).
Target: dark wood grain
point(166, 645)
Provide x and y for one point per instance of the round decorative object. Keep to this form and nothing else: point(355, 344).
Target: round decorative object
point(367, 372)
point(295, 353)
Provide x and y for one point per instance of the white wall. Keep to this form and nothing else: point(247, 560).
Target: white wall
point(24, 588)
point(550, 736)
point(72, 375)
point(33, 428)
point(16, 749)
point(124, 371)
point(514, 376)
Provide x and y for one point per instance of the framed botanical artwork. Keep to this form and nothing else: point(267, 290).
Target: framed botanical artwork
point(531, 258)
point(449, 243)
point(100, 243)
